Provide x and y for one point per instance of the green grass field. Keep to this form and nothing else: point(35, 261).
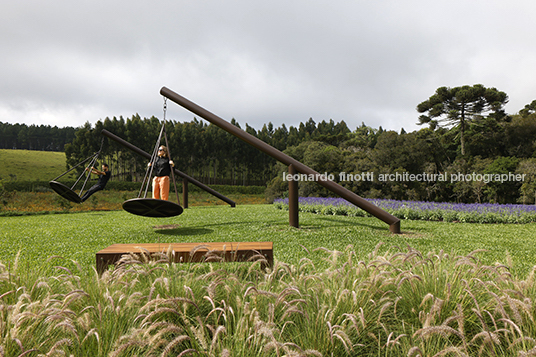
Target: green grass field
point(79, 236)
point(340, 286)
point(334, 290)
point(31, 165)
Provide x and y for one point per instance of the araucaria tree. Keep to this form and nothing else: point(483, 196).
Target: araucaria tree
point(457, 107)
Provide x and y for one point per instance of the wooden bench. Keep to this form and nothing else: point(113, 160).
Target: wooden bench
point(188, 252)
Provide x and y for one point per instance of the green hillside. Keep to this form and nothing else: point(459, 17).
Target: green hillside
point(31, 165)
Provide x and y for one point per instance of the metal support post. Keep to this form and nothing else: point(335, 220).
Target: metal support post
point(293, 208)
point(185, 192)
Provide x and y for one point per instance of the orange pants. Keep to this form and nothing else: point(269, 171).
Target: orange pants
point(161, 187)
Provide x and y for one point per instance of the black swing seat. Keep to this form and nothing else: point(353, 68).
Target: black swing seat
point(65, 192)
point(152, 207)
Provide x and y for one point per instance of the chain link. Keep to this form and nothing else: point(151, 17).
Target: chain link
point(165, 108)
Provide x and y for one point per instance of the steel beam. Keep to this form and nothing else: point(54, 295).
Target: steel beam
point(293, 197)
point(392, 221)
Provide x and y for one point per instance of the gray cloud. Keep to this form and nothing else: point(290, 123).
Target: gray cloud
point(67, 63)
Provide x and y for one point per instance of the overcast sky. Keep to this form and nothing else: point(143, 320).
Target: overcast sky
point(65, 63)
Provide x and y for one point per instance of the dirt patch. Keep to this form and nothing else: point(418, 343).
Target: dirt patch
point(167, 226)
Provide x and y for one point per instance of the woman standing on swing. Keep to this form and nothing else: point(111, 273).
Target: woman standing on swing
point(162, 168)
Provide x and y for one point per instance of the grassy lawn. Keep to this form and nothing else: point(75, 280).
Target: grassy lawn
point(78, 236)
point(16, 203)
point(45, 165)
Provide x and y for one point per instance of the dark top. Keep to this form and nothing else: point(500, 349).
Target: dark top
point(162, 167)
point(103, 179)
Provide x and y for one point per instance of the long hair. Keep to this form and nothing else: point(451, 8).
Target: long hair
point(164, 149)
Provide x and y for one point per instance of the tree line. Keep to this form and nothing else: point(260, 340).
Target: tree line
point(201, 150)
point(468, 133)
point(469, 139)
point(34, 137)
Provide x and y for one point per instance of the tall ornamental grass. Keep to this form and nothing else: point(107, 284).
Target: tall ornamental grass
point(418, 210)
point(401, 303)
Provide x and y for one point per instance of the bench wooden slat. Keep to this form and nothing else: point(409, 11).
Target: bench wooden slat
point(187, 252)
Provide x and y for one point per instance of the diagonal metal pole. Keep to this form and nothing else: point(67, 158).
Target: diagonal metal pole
point(140, 152)
point(392, 221)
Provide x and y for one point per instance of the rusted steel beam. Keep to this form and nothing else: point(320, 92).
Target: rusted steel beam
point(185, 192)
point(146, 155)
point(293, 208)
point(392, 221)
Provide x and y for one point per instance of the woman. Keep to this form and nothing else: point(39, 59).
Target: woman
point(162, 170)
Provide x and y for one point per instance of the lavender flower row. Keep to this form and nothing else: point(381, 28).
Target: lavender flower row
point(474, 212)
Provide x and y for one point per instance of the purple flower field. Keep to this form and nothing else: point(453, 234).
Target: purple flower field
point(439, 211)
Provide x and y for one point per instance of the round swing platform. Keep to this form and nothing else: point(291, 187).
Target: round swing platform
point(152, 207)
point(65, 192)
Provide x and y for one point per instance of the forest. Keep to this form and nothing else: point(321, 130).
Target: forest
point(482, 140)
point(35, 137)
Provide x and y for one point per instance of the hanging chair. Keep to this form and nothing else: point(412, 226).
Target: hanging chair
point(152, 207)
point(69, 192)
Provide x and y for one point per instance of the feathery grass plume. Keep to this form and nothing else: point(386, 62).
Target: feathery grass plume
point(487, 337)
point(337, 334)
point(528, 283)
point(382, 310)
point(289, 291)
point(164, 328)
point(316, 310)
point(64, 341)
point(92, 332)
point(175, 342)
point(213, 256)
point(68, 326)
point(331, 259)
point(257, 259)
point(457, 351)
point(74, 296)
point(187, 352)
point(198, 248)
point(435, 311)
point(524, 341)
point(130, 344)
point(272, 345)
point(393, 342)
point(531, 352)
point(305, 263)
point(219, 312)
point(159, 311)
point(219, 330)
point(292, 349)
point(510, 323)
point(294, 309)
point(442, 330)
point(163, 281)
point(516, 313)
point(415, 352)
point(148, 330)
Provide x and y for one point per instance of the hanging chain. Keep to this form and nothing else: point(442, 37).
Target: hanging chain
point(165, 108)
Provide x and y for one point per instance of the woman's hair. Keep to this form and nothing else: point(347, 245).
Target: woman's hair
point(164, 149)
